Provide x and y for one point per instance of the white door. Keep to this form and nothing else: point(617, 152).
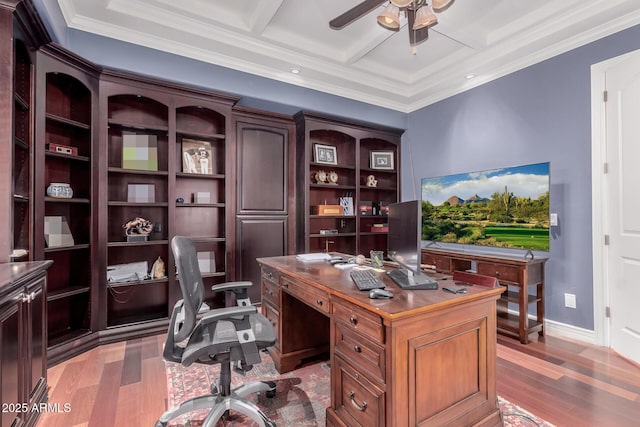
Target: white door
point(622, 205)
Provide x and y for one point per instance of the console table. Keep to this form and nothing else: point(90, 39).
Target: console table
point(421, 358)
point(517, 274)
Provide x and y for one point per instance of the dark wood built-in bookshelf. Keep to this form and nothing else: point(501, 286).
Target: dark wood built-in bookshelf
point(353, 142)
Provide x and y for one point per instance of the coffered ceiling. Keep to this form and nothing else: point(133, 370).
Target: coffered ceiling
point(365, 62)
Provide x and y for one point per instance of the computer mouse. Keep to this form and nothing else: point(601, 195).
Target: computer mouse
point(380, 293)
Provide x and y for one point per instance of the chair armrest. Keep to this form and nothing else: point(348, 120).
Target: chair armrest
point(231, 286)
point(239, 289)
point(227, 313)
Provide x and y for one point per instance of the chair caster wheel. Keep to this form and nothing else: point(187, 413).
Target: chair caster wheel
point(160, 424)
point(271, 393)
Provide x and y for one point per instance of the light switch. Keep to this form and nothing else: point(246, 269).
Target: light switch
point(553, 219)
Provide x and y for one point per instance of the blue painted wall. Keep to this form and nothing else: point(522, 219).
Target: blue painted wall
point(541, 113)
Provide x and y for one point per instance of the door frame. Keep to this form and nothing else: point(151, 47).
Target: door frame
point(599, 218)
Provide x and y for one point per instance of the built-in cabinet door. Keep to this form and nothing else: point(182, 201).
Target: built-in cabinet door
point(258, 237)
point(9, 358)
point(37, 339)
point(264, 186)
point(262, 170)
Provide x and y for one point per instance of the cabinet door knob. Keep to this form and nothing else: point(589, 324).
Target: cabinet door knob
point(357, 349)
point(319, 302)
point(353, 320)
point(355, 404)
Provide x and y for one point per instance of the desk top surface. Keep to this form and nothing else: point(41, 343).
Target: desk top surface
point(322, 275)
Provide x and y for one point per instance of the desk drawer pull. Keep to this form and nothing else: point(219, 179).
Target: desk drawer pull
point(357, 349)
point(353, 320)
point(319, 302)
point(355, 404)
point(268, 276)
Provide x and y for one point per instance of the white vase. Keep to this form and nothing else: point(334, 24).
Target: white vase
point(59, 190)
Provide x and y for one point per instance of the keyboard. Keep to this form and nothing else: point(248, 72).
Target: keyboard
point(366, 280)
point(421, 281)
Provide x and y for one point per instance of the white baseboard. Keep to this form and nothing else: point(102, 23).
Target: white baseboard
point(569, 331)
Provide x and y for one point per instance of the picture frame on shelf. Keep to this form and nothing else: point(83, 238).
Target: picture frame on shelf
point(325, 154)
point(139, 151)
point(207, 262)
point(141, 193)
point(382, 160)
point(197, 157)
point(56, 232)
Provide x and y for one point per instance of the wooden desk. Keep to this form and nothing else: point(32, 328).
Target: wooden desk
point(421, 358)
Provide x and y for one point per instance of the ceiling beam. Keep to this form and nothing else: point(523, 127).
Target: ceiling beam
point(262, 15)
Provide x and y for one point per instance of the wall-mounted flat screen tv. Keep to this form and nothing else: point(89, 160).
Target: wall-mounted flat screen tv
point(506, 208)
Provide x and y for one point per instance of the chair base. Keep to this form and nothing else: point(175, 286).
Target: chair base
point(220, 404)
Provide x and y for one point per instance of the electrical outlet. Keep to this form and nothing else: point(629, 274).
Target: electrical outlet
point(570, 300)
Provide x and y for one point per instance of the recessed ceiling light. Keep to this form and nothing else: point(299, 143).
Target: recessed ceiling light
point(469, 76)
point(295, 70)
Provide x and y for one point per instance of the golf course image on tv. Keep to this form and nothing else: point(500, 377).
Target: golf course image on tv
point(506, 207)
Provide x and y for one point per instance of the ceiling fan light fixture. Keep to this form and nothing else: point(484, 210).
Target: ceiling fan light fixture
point(440, 5)
point(424, 18)
point(401, 3)
point(390, 18)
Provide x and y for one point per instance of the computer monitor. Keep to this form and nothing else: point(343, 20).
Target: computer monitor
point(403, 241)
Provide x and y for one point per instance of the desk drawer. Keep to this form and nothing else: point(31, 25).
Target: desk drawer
point(273, 315)
point(270, 275)
point(359, 320)
point(270, 292)
point(508, 273)
point(308, 294)
point(368, 356)
point(358, 401)
point(441, 263)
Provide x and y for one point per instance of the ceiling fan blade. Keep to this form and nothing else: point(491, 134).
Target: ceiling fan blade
point(415, 36)
point(354, 13)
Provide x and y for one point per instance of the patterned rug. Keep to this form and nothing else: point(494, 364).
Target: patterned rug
point(302, 396)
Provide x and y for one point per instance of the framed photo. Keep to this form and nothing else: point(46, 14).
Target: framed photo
point(197, 157)
point(381, 160)
point(325, 154)
point(57, 232)
point(139, 151)
point(141, 193)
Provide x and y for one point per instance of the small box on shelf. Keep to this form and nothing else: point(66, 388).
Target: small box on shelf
point(380, 228)
point(202, 197)
point(327, 210)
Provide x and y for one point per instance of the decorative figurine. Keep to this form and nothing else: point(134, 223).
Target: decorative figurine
point(333, 177)
point(138, 229)
point(321, 177)
point(372, 181)
point(157, 269)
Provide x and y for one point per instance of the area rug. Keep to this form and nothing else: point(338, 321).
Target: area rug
point(302, 396)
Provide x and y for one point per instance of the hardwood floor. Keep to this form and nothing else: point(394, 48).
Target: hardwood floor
point(565, 382)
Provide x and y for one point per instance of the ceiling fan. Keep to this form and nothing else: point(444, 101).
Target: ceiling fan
point(420, 15)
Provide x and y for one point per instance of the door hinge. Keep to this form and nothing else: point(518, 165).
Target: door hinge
point(605, 167)
point(606, 240)
point(607, 311)
point(605, 96)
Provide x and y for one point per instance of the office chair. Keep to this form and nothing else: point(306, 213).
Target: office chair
point(227, 336)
